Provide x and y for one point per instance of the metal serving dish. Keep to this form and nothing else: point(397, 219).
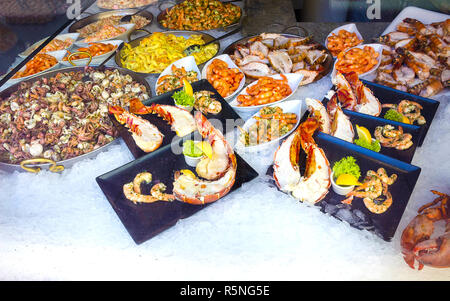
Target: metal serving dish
point(99, 16)
point(163, 14)
point(328, 62)
point(36, 163)
point(184, 33)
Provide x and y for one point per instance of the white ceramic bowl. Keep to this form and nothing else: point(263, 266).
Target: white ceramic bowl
point(294, 80)
point(73, 36)
point(226, 58)
point(341, 190)
point(123, 36)
point(348, 27)
point(289, 106)
point(96, 60)
point(377, 47)
point(188, 63)
point(58, 55)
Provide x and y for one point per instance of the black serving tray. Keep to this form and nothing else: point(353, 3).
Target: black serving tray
point(144, 221)
point(357, 215)
point(389, 95)
point(227, 113)
point(371, 122)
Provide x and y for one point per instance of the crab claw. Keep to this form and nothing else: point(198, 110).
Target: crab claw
point(434, 252)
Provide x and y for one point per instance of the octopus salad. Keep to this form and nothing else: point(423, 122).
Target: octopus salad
point(63, 116)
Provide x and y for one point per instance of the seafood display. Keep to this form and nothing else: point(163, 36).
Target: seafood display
point(62, 117)
point(273, 53)
point(266, 90)
point(119, 4)
point(313, 185)
point(358, 60)
point(224, 79)
point(157, 51)
point(332, 121)
point(174, 80)
point(271, 124)
point(105, 33)
point(218, 171)
point(99, 25)
point(416, 57)
point(408, 112)
point(374, 191)
point(146, 135)
point(416, 241)
point(200, 15)
point(56, 44)
point(342, 41)
point(351, 94)
point(389, 136)
point(132, 190)
point(39, 63)
point(94, 49)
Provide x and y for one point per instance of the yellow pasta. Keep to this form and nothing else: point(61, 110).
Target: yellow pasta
point(156, 52)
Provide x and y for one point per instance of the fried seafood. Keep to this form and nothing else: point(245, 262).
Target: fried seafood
point(174, 81)
point(146, 135)
point(94, 49)
point(265, 91)
point(204, 103)
point(56, 44)
point(39, 63)
point(374, 191)
point(342, 41)
point(313, 185)
point(62, 117)
point(359, 60)
point(272, 53)
point(105, 33)
point(417, 56)
point(111, 21)
point(352, 95)
point(220, 169)
point(416, 241)
point(132, 190)
point(391, 137)
point(224, 79)
point(181, 120)
point(271, 124)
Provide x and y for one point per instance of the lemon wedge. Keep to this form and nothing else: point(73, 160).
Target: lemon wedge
point(205, 147)
point(188, 173)
point(347, 180)
point(364, 133)
point(187, 87)
point(406, 120)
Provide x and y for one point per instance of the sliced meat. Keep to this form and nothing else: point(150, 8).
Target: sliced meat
point(272, 36)
point(299, 41)
point(252, 58)
point(256, 70)
point(281, 42)
point(316, 56)
point(244, 51)
point(308, 76)
point(280, 61)
point(298, 66)
point(259, 49)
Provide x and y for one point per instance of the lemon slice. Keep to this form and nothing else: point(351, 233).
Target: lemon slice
point(205, 147)
point(406, 120)
point(187, 87)
point(188, 173)
point(347, 180)
point(364, 133)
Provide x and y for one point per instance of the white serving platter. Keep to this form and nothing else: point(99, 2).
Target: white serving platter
point(289, 106)
point(187, 62)
point(377, 47)
point(348, 27)
point(226, 58)
point(58, 55)
point(73, 36)
point(123, 36)
point(294, 80)
point(96, 60)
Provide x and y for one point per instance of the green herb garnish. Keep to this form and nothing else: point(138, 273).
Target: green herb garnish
point(392, 114)
point(346, 165)
point(183, 99)
point(374, 145)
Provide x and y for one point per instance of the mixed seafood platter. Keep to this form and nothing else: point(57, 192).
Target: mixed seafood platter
point(347, 153)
